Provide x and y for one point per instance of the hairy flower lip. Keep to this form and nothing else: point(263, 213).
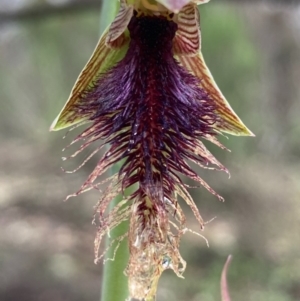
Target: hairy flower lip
point(152, 112)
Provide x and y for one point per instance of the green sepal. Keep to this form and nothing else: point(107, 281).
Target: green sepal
point(102, 59)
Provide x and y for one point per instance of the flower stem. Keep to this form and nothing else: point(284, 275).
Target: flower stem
point(114, 282)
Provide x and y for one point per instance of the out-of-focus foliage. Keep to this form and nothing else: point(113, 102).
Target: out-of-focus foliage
point(46, 246)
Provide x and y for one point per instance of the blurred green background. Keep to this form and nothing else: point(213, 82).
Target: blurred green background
point(46, 245)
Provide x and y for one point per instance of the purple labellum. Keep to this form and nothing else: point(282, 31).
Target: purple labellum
point(153, 113)
point(150, 109)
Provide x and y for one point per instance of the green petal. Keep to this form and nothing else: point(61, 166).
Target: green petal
point(103, 58)
point(187, 40)
point(230, 123)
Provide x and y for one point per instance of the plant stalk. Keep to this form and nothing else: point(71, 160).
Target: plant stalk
point(114, 283)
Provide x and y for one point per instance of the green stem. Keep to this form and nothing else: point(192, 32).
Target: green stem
point(114, 282)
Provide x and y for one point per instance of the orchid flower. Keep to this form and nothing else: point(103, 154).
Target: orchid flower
point(148, 94)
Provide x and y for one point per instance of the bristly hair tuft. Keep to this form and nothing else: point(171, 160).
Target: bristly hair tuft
point(153, 114)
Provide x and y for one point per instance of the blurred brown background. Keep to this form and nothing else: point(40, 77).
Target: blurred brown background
point(46, 245)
